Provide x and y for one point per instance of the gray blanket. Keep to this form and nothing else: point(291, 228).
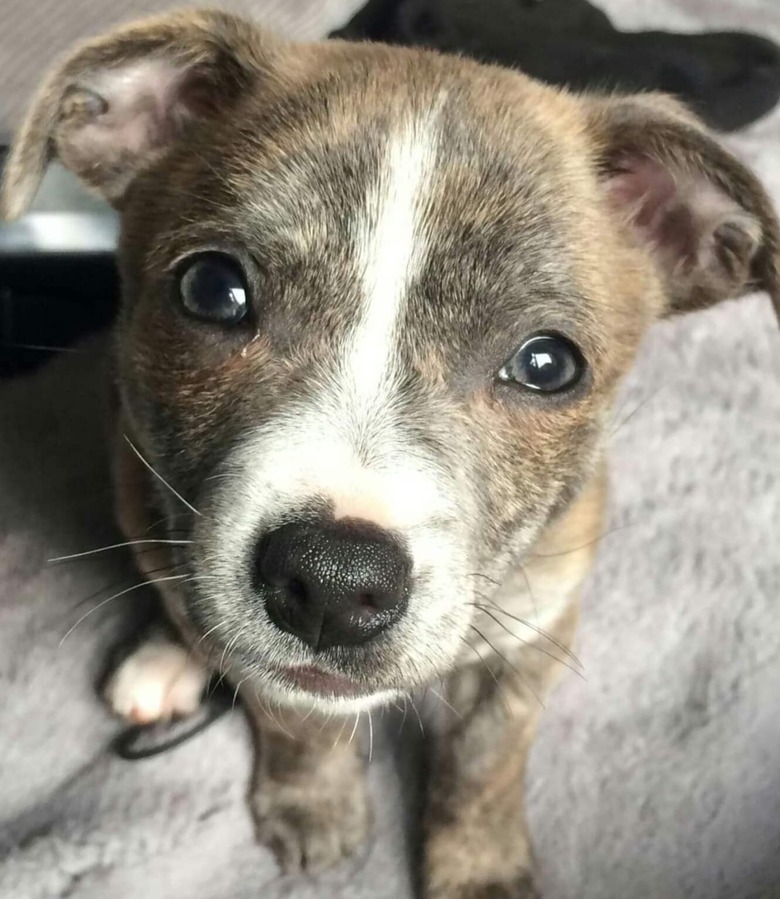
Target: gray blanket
point(655, 777)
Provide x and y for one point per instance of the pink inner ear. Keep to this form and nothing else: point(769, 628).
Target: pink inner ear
point(125, 116)
point(703, 240)
point(144, 101)
point(664, 211)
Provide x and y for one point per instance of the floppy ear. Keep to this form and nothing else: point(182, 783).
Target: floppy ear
point(703, 216)
point(119, 102)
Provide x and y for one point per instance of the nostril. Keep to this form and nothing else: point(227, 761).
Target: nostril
point(377, 602)
point(296, 590)
point(367, 602)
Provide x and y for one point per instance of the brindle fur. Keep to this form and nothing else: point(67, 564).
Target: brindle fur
point(266, 156)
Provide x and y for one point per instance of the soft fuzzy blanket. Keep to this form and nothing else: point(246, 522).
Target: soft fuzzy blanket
point(655, 777)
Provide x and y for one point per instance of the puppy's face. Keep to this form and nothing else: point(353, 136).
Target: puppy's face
point(376, 306)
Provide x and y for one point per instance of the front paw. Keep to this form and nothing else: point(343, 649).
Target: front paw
point(158, 681)
point(311, 826)
point(475, 863)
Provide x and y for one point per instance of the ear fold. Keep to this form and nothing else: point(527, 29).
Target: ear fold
point(703, 216)
point(119, 102)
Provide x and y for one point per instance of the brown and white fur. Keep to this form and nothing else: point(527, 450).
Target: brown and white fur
point(404, 220)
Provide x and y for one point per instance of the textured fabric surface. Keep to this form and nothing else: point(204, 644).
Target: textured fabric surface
point(655, 777)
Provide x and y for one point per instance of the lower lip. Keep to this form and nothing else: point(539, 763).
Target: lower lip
point(315, 680)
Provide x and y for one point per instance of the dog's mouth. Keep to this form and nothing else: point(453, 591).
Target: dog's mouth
point(312, 679)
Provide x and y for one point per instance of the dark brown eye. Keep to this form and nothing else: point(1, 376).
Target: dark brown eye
point(212, 287)
point(545, 363)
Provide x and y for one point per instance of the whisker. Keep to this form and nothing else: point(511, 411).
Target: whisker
point(235, 693)
point(640, 405)
point(566, 552)
point(485, 577)
point(370, 737)
point(160, 477)
point(102, 549)
point(527, 580)
point(417, 715)
point(207, 667)
point(354, 728)
point(527, 643)
point(535, 628)
point(40, 347)
point(226, 651)
point(325, 722)
point(115, 584)
point(446, 703)
point(308, 714)
point(406, 712)
point(270, 713)
point(175, 577)
point(514, 668)
point(499, 685)
point(164, 520)
point(209, 632)
point(341, 731)
point(153, 549)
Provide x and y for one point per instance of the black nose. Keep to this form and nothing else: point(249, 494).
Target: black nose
point(334, 583)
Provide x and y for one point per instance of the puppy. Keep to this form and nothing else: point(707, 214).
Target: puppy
point(376, 307)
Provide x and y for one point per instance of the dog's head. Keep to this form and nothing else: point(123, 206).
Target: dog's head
point(376, 306)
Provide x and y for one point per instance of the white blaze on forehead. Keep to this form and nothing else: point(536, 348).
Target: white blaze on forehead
point(391, 247)
point(344, 443)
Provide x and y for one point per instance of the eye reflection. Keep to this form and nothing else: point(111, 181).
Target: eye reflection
point(545, 363)
point(212, 287)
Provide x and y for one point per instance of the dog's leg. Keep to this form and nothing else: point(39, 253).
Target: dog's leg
point(477, 844)
point(477, 841)
point(309, 794)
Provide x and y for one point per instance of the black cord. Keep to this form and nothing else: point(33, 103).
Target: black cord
point(144, 741)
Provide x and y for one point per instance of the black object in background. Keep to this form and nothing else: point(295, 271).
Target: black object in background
point(49, 302)
point(49, 299)
point(729, 78)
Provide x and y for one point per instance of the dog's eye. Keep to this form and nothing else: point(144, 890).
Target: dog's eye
point(212, 287)
point(545, 363)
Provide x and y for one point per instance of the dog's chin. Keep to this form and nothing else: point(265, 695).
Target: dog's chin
point(308, 686)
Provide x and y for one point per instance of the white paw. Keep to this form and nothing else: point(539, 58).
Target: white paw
point(159, 681)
